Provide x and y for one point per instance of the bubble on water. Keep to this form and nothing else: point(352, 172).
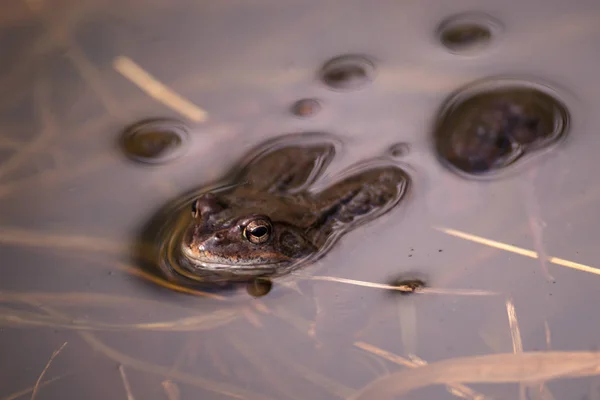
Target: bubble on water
point(155, 141)
point(486, 127)
point(347, 72)
point(399, 150)
point(468, 33)
point(306, 108)
point(259, 287)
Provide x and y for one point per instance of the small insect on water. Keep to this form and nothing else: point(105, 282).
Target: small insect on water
point(406, 286)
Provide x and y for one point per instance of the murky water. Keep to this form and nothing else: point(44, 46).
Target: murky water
point(487, 319)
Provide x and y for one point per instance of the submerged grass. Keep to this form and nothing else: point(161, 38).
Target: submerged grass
point(528, 367)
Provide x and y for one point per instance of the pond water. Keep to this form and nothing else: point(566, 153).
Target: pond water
point(502, 265)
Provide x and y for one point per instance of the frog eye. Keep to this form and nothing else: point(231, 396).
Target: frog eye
point(258, 231)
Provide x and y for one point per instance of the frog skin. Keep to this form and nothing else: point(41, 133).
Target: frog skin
point(274, 217)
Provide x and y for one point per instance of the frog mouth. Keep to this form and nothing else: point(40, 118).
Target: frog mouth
point(207, 261)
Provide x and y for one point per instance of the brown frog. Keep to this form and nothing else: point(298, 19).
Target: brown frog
point(277, 214)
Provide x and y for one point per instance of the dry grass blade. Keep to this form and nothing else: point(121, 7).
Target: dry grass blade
point(88, 72)
point(195, 323)
point(157, 90)
point(42, 140)
point(534, 217)
point(515, 332)
point(537, 390)
point(271, 375)
point(518, 250)
point(166, 284)
point(23, 392)
point(141, 273)
point(216, 357)
point(400, 288)
point(198, 381)
point(187, 353)
point(39, 380)
point(77, 299)
point(296, 321)
point(548, 335)
point(251, 317)
point(493, 368)
point(515, 335)
point(408, 321)
point(126, 384)
point(334, 387)
point(540, 392)
point(194, 380)
point(261, 307)
point(171, 390)
point(155, 279)
point(456, 389)
point(385, 354)
point(55, 176)
point(54, 240)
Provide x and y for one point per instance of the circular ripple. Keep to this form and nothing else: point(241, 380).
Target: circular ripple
point(399, 150)
point(467, 33)
point(305, 108)
point(259, 287)
point(155, 141)
point(488, 126)
point(347, 72)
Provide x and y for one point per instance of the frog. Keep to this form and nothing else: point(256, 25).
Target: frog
point(280, 212)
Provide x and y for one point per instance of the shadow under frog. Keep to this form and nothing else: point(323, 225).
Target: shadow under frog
point(273, 212)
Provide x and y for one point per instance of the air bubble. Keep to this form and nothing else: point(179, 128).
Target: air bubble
point(488, 126)
point(155, 141)
point(468, 33)
point(347, 72)
point(259, 287)
point(399, 150)
point(306, 108)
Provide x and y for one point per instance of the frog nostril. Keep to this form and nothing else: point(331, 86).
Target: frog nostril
point(219, 237)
